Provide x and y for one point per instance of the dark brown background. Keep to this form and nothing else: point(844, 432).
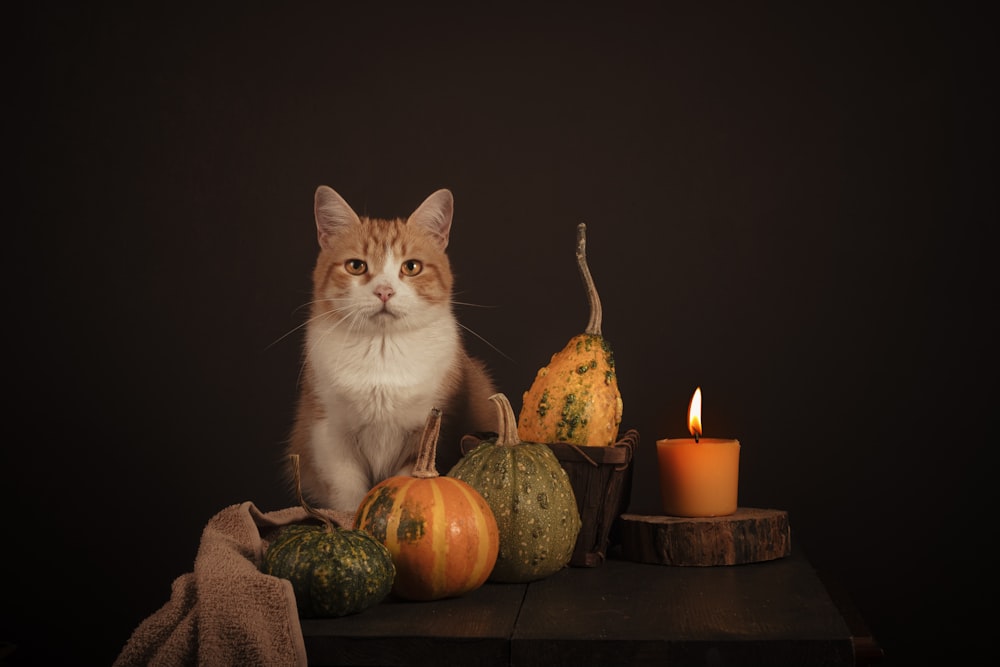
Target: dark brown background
point(787, 206)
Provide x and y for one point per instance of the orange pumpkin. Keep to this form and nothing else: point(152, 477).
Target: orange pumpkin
point(441, 533)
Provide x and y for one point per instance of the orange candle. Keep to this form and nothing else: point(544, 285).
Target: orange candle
point(698, 476)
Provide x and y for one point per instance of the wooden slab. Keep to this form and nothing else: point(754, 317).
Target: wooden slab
point(748, 536)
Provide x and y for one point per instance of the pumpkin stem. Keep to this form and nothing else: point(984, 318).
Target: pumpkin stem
point(594, 323)
point(507, 434)
point(427, 453)
point(310, 510)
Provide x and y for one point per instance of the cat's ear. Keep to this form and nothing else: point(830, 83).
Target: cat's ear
point(434, 215)
point(332, 214)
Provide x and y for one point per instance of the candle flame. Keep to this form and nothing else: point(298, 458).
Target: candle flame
point(694, 414)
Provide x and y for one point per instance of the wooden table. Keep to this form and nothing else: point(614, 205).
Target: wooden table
point(621, 613)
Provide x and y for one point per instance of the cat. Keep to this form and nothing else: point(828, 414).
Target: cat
point(382, 348)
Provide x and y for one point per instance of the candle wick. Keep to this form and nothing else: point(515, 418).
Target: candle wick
point(696, 438)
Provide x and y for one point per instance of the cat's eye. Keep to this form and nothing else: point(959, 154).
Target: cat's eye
point(412, 267)
point(355, 266)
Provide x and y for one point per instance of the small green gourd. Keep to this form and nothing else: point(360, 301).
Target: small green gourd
point(334, 571)
point(531, 497)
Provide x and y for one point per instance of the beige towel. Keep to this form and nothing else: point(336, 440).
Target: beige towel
point(227, 612)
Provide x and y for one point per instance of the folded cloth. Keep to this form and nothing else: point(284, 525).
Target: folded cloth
point(228, 612)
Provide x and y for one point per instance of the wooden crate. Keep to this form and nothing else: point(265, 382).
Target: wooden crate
point(602, 482)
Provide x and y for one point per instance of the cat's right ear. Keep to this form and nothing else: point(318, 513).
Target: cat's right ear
point(332, 214)
point(435, 215)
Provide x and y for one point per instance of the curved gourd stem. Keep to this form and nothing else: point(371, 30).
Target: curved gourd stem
point(507, 430)
point(427, 453)
point(594, 323)
point(310, 510)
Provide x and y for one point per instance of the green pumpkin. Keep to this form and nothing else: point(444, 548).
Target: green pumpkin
point(531, 497)
point(334, 571)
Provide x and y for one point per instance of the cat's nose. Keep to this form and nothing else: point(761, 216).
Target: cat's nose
point(384, 292)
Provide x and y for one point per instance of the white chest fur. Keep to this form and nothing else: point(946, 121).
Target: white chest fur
point(393, 378)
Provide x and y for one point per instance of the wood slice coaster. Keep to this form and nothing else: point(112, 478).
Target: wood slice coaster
point(747, 536)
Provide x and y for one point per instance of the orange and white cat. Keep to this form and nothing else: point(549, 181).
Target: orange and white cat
point(382, 347)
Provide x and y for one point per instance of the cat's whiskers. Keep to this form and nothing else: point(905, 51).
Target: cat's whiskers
point(479, 305)
point(495, 348)
point(349, 319)
point(353, 319)
point(351, 313)
point(307, 304)
point(345, 316)
point(467, 303)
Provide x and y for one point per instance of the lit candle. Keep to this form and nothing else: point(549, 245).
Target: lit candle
point(698, 476)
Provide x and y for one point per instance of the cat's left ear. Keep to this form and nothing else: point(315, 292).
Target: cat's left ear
point(435, 215)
